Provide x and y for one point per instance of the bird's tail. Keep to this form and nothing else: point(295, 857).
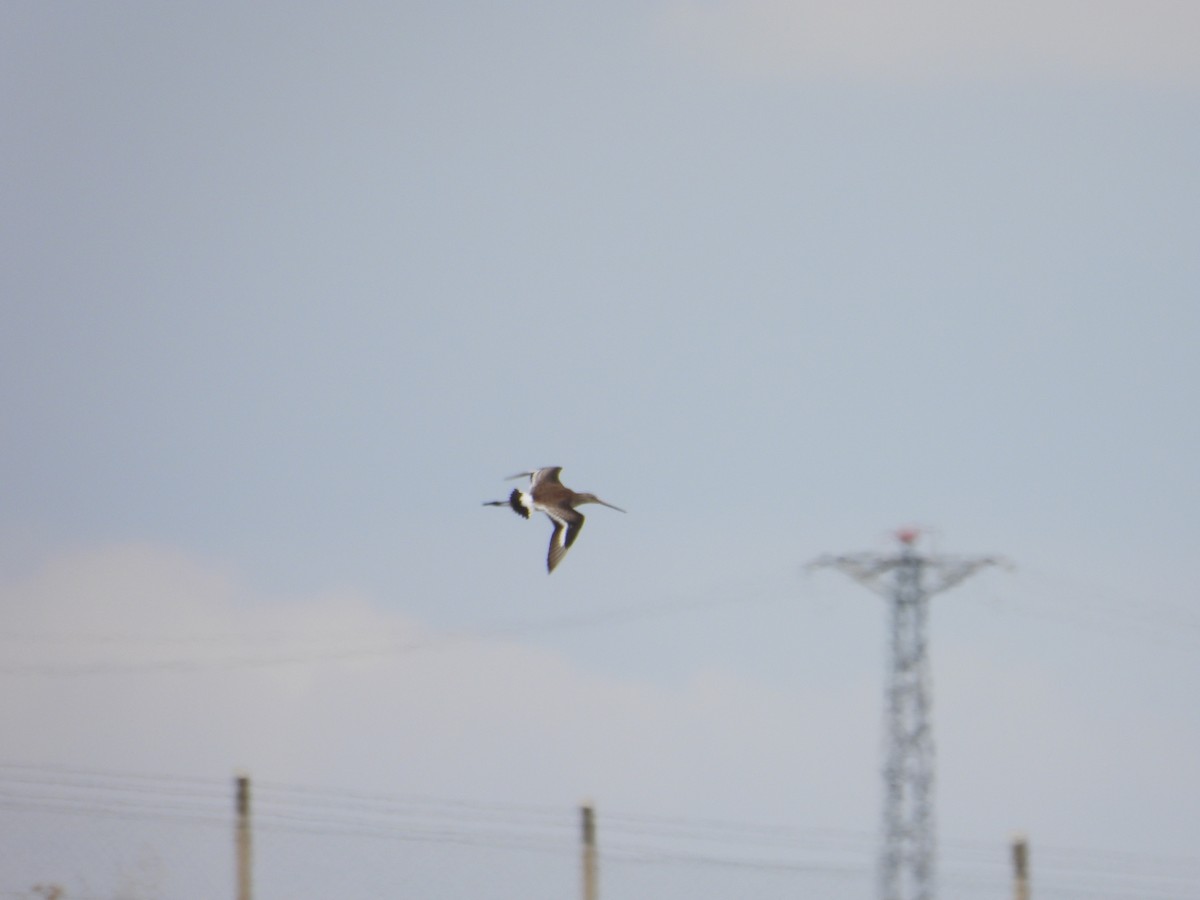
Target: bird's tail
point(516, 500)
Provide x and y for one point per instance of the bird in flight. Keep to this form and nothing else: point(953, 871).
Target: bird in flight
point(547, 494)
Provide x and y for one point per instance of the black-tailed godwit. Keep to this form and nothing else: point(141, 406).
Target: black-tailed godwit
point(549, 495)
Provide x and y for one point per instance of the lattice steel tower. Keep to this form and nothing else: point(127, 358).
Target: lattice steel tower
point(906, 862)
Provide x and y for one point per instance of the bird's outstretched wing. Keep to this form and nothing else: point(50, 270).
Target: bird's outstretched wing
point(567, 524)
point(548, 475)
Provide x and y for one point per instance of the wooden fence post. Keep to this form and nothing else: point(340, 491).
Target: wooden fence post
point(242, 839)
point(590, 869)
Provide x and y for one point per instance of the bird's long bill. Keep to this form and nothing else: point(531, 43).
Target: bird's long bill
point(609, 505)
point(519, 475)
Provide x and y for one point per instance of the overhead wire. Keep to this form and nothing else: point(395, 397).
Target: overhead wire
point(1114, 616)
point(376, 650)
point(1061, 601)
point(627, 838)
point(1101, 609)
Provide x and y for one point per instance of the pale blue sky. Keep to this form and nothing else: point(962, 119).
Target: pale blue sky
point(288, 290)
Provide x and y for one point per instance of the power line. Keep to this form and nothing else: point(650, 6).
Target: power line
point(1077, 606)
point(375, 650)
point(1101, 610)
point(630, 837)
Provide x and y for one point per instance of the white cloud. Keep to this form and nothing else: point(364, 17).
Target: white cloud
point(141, 659)
point(144, 660)
point(1152, 41)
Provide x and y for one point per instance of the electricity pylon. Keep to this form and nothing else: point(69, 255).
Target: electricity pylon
point(906, 862)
